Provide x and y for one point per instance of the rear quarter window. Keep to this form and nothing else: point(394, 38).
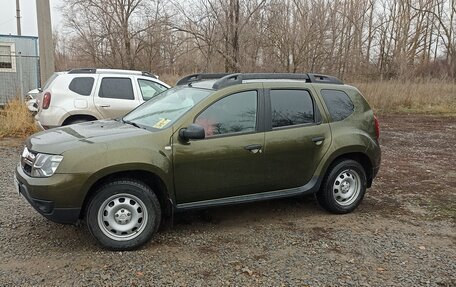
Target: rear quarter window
point(338, 103)
point(82, 85)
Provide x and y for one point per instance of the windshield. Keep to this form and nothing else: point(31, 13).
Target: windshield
point(163, 110)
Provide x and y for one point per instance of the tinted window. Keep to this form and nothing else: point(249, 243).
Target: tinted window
point(339, 104)
point(150, 89)
point(82, 86)
point(291, 107)
point(233, 114)
point(116, 88)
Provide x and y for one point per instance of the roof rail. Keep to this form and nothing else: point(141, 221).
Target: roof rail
point(235, 79)
point(318, 78)
point(199, 77)
point(113, 71)
point(83, 71)
point(225, 80)
point(149, 74)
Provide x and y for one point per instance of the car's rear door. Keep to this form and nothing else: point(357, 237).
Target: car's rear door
point(296, 137)
point(115, 95)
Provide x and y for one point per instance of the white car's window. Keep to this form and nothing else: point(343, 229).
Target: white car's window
point(116, 88)
point(150, 89)
point(82, 85)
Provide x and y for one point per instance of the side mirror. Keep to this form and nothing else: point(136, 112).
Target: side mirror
point(192, 132)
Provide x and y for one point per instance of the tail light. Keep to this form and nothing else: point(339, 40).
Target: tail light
point(46, 100)
point(377, 127)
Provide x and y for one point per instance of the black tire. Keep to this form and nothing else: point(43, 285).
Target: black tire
point(140, 204)
point(336, 186)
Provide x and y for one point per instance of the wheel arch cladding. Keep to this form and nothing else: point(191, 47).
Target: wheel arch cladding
point(358, 156)
point(149, 178)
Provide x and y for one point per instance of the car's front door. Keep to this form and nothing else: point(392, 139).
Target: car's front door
point(230, 160)
point(115, 96)
point(296, 137)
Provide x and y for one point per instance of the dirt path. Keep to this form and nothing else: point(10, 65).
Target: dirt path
point(403, 234)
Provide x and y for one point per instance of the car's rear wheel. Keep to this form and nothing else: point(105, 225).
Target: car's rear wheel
point(343, 187)
point(123, 214)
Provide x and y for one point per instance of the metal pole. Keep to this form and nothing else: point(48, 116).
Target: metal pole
point(18, 18)
point(21, 82)
point(43, 13)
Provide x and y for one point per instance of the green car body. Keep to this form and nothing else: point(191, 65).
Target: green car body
point(197, 173)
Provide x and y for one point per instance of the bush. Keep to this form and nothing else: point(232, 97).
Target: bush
point(16, 120)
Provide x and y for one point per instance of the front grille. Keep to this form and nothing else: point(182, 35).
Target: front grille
point(27, 160)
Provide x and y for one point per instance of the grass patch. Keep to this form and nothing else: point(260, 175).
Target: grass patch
point(424, 96)
point(16, 120)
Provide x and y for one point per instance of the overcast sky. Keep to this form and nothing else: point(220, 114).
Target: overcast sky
point(28, 14)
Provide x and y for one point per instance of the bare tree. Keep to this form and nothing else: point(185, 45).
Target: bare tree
point(348, 38)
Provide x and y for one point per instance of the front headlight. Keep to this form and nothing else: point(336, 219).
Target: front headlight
point(45, 164)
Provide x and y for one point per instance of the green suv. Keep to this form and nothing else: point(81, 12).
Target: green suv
point(214, 139)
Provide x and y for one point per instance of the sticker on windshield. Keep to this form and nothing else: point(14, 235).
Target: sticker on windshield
point(161, 123)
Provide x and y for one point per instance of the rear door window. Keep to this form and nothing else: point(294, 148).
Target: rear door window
point(338, 103)
point(116, 88)
point(82, 85)
point(291, 107)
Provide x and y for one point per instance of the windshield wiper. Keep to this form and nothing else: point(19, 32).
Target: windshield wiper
point(131, 123)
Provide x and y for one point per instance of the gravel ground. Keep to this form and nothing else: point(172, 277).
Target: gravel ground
point(403, 234)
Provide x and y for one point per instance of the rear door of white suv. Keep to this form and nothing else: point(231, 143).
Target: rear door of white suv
point(116, 95)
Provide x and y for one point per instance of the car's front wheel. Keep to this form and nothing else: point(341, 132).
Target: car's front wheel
point(123, 214)
point(343, 187)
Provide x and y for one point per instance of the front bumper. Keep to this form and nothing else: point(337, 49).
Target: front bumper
point(49, 198)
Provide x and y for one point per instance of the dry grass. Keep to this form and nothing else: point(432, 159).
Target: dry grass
point(426, 96)
point(16, 120)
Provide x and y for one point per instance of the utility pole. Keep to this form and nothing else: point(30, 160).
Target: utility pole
point(46, 44)
point(18, 18)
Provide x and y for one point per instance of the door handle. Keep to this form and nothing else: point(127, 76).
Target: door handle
point(105, 106)
point(318, 140)
point(254, 148)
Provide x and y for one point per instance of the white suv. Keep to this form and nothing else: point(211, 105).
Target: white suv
point(91, 94)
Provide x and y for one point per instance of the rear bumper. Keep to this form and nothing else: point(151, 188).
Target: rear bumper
point(50, 118)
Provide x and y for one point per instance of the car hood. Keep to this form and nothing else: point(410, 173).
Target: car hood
point(59, 140)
